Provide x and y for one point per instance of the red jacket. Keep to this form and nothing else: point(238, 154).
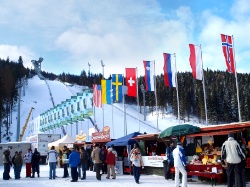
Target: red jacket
point(110, 158)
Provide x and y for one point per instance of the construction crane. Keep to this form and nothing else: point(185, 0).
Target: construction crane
point(25, 125)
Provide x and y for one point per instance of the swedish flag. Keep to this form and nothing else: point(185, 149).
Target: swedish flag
point(117, 87)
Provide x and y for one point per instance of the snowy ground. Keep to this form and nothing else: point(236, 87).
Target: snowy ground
point(120, 181)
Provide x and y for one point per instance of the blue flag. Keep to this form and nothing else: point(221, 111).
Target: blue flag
point(117, 87)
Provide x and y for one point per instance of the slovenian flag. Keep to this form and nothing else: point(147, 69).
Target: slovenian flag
point(169, 71)
point(149, 75)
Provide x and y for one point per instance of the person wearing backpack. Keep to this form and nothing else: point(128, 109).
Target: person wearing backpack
point(84, 159)
point(95, 155)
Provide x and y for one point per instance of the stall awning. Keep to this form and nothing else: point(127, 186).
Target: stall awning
point(214, 133)
point(153, 136)
point(230, 126)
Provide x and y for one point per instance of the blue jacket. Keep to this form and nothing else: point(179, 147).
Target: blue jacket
point(74, 159)
point(169, 153)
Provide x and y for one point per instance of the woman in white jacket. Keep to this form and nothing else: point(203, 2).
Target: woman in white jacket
point(137, 163)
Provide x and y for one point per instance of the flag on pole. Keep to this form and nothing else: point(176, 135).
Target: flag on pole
point(149, 75)
point(227, 48)
point(131, 81)
point(117, 87)
point(195, 61)
point(169, 71)
point(97, 94)
point(106, 88)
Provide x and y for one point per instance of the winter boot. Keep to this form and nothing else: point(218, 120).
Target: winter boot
point(33, 175)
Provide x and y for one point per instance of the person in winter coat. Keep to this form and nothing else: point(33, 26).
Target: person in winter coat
point(65, 161)
point(233, 154)
point(84, 159)
point(18, 162)
point(27, 158)
point(95, 155)
point(137, 163)
point(51, 159)
point(111, 161)
point(104, 163)
point(13, 162)
point(35, 163)
point(170, 160)
point(74, 161)
point(7, 164)
point(180, 165)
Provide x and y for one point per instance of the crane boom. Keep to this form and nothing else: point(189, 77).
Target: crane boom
point(25, 125)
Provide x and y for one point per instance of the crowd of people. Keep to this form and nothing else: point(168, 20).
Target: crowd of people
point(31, 161)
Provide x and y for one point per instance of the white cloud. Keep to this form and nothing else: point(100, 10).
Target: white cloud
point(13, 52)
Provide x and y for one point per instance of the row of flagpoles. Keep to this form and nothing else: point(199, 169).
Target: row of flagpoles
point(113, 90)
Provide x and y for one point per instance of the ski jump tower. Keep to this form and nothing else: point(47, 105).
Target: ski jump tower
point(37, 65)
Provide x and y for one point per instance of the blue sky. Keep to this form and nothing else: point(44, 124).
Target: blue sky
point(70, 33)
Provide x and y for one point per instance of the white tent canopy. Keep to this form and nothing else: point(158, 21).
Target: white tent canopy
point(67, 139)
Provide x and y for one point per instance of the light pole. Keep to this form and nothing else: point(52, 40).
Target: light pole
point(143, 92)
point(102, 105)
point(89, 68)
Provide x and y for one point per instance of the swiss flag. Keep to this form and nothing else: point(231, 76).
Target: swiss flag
point(131, 81)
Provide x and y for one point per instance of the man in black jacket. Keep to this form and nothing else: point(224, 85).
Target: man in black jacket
point(35, 163)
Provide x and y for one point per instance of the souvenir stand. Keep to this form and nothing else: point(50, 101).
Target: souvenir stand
point(153, 151)
point(208, 143)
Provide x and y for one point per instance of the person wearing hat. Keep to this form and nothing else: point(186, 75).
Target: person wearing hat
point(27, 158)
point(18, 162)
point(180, 165)
point(231, 152)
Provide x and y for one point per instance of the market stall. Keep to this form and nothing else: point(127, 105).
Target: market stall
point(208, 144)
point(123, 162)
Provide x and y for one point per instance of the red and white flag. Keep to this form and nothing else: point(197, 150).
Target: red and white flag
point(97, 95)
point(131, 82)
point(227, 47)
point(195, 61)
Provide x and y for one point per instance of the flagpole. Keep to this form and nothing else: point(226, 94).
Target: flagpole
point(102, 105)
point(236, 80)
point(203, 82)
point(111, 94)
point(176, 87)
point(156, 101)
point(123, 102)
point(137, 99)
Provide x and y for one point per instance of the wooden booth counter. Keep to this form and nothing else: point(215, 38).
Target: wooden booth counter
point(214, 172)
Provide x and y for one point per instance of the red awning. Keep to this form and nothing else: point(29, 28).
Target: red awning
point(214, 133)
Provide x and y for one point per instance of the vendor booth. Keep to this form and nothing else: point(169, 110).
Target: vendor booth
point(66, 140)
point(123, 162)
point(208, 143)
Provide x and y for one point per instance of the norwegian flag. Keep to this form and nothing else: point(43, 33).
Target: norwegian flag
point(227, 47)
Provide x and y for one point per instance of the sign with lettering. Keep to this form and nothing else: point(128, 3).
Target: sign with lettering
point(103, 136)
point(153, 161)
